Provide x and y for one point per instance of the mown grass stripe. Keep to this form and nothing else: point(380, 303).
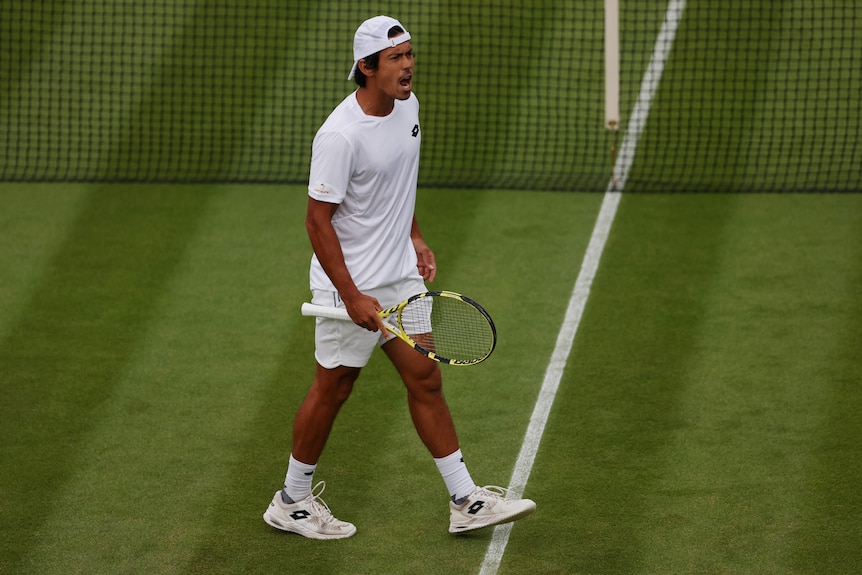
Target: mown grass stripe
point(739, 473)
point(618, 400)
point(62, 361)
point(34, 221)
point(147, 482)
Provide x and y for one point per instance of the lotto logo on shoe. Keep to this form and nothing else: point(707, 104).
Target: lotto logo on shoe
point(476, 507)
point(300, 515)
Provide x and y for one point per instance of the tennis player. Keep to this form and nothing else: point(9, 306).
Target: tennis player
point(369, 254)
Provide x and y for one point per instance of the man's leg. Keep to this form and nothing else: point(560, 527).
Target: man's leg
point(431, 416)
point(295, 508)
point(312, 425)
point(316, 416)
point(471, 507)
point(428, 407)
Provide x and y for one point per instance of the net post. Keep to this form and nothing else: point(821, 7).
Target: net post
point(612, 77)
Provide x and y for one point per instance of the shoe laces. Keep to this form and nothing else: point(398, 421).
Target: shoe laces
point(319, 505)
point(496, 491)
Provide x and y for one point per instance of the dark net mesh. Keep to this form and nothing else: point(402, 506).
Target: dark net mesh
point(760, 95)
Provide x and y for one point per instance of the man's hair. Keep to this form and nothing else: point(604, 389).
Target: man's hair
point(373, 60)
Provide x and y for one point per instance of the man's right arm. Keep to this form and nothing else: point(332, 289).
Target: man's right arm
point(318, 222)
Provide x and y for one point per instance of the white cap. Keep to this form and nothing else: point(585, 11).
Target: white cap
point(372, 36)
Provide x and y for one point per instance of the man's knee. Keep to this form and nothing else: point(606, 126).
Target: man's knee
point(335, 385)
point(424, 377)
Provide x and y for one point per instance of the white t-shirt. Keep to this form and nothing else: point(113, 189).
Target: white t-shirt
point(369, 165)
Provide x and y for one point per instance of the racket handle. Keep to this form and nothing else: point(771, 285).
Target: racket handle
point(310, 309)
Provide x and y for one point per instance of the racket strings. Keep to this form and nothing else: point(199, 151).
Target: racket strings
point(449, 327)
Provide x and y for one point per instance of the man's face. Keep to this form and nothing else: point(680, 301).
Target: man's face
point(395, 71)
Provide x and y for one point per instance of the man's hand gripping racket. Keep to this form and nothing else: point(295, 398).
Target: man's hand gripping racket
point(445, 326)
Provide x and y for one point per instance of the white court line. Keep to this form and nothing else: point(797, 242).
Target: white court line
point(583, 283)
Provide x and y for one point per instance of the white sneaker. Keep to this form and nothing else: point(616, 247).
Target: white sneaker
point(487, 506)
point(309, 517)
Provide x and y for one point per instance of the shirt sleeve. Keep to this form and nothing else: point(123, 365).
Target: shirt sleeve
point(331, 166)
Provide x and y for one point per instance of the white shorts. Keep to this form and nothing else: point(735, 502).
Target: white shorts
point(338, 342)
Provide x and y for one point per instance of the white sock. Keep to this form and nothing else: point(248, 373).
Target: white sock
point(297, 482)
point(454, 472)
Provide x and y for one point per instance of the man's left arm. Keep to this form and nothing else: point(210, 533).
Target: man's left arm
point(425, 261)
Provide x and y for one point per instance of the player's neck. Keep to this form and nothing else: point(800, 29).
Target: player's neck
point(374, 102)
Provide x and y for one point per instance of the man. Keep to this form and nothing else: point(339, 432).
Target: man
point(369, 254)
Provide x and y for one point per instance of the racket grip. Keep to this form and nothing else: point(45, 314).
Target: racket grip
point(310, 309)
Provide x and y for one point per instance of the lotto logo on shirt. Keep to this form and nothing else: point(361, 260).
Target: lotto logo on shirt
point(323, 189)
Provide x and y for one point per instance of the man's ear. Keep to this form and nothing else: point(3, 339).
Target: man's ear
point(365, 69)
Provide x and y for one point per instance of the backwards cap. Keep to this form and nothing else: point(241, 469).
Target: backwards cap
point(372, 36)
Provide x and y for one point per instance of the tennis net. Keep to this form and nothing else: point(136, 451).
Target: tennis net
point(761, 95)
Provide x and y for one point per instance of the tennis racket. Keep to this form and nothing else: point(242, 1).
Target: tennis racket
point(445, 326)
